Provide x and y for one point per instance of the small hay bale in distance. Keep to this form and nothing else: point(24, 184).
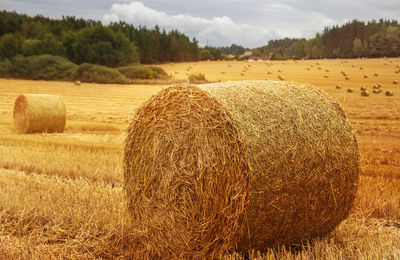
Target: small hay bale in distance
point(338, 86)
point(376, 90)
point(389, 93)
point(395, 82)
point(364, 93)
point(77, 83)
point(350, 90)
point(36, 113)
point(184, 150)
point(363, 88)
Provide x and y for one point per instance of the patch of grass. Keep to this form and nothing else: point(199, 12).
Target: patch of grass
point(98, 74)
point(40, 67)
point(143, 72)
point(197, 78)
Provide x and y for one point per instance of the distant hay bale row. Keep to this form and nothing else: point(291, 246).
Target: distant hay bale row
point(254, 164)
point(35, 113)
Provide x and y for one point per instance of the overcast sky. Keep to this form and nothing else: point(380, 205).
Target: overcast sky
point(219, 22)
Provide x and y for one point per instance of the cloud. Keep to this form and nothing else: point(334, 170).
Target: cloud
point(217, 31)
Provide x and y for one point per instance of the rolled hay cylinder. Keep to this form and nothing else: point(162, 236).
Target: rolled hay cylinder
point(182, 163)
point(35, 113)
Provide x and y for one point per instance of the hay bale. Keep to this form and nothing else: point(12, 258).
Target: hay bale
point(389, 93)
point(364, 93)
point(376, 74)
point(376, 90)
point(35, 113)
point(188, 146)
point(395, 82)
point(338, 86)
point(77, 83)
point(350, 90)
point(363, 88)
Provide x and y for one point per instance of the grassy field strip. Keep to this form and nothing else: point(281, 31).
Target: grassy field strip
point(386, 198)
point(92, 161)
point(57, 140)
point(87, 218)
point(61, 218)
point(73, 126)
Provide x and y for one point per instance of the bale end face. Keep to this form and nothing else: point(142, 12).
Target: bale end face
point(186, 174)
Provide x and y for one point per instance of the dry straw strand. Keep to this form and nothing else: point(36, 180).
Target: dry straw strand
point(187, 159)
point(35, 113)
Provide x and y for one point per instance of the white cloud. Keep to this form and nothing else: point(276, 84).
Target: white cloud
point(217, 31)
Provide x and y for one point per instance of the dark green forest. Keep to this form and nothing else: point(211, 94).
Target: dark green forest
point(75, 41)
point(88, 41)
point(351, 40)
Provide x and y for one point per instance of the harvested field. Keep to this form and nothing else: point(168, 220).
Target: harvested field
point(61, 194)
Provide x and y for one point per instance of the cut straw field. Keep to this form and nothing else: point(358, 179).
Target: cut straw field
point(62, 196)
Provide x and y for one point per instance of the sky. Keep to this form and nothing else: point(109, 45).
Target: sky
point(251, 23)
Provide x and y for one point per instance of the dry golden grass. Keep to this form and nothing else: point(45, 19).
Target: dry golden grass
point(61, 194)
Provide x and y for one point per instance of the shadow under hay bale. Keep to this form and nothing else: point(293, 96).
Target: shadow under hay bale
point(36, 113)
point(188, 155)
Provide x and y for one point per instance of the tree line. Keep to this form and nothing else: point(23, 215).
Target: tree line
point(118, 44)
point(89, 41)
point(351, 40)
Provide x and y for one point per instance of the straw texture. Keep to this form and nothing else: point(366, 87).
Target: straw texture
point(186, 175)
point(304, 159)
point(35, 113)
point(297, 141)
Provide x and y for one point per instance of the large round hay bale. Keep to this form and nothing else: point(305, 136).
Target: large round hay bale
point(301, 149)
point(35, 113)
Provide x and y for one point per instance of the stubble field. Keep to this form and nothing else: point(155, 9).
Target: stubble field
point(61, 195)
